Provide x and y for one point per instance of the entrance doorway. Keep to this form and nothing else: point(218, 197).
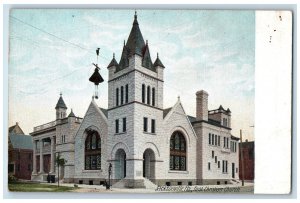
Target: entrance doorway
point(120, 164)
point(149, 164)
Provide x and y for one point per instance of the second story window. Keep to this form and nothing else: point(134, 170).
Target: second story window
point(122, 95)
point(143, 93)
point(117, 125)
point(126, 94)
point(124, 124)
point(145, 124)
point(117, 96)
point(153, 96)
point(152, 126)
point(148, 95)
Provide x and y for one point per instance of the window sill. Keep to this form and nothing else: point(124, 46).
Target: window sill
point(176, 171)
point(91, 171)
point(121, 133)
point(149, 133)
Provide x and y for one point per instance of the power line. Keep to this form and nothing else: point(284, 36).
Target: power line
point(57, 37)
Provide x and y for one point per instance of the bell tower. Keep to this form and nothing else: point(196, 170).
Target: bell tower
point(61, 108)
point(135, 107)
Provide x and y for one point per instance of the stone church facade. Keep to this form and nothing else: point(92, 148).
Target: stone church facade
point(145, 143)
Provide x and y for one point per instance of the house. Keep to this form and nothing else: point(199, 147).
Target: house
point(19, 153)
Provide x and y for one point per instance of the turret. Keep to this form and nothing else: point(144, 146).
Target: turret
point(61, 108)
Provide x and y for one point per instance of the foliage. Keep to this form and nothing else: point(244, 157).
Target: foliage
point(12, 179)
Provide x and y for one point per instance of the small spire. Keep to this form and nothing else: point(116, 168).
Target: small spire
point(178, 98)
point(60, 94)
point(157, 55)
point(135, 22)
point(113, 55)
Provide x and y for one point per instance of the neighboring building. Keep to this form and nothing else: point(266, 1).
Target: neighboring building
point(19, 153)
point(249, 160)
point(144, 142)
point(52, 138)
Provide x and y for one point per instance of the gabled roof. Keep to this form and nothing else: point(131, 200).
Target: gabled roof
point(60, 103)
point(15, 129)
point(19, 141)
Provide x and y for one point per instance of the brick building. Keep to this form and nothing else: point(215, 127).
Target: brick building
point(249, 160)
point(145, 143)
point(19, 153)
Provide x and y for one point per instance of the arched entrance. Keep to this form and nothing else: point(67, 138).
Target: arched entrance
point(120, 164)
point(149, 164)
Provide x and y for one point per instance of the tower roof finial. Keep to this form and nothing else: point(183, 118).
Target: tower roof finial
point(135, 22)
point(60, 94)
point(157, 55)
point(113, 55)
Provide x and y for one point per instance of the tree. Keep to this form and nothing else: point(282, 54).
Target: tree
point(59, 162)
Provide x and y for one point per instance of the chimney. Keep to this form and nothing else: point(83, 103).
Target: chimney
point(201, 105)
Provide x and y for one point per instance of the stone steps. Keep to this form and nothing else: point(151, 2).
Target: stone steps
point(147, 183)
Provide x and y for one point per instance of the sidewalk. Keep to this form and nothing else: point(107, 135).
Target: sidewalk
point(230, 188)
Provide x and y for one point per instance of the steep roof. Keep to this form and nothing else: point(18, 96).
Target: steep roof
point(104, 111)
point(15, 129)
point(191, 118)
point(19, 141)
point(71, 114)
point(135, 42)
point(158, 62)
point(166, 111)
point(113, 62)
point(135, 45)
point(60, 103)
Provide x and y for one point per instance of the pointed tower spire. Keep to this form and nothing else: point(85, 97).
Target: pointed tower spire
point(158, 62)
point(60, 103)
point(71, 114)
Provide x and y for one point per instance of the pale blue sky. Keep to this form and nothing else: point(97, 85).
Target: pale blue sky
point(210, 50)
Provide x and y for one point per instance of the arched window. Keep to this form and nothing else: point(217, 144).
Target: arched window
point(92, 151)
point(177, 152)
point(153, 96)
point(143, 93)
point(117, 97)
point(148, 95)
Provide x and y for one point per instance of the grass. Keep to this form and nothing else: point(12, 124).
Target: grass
point(37, 187)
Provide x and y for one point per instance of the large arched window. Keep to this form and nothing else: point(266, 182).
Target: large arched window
point(177, 152)
point(92, 151)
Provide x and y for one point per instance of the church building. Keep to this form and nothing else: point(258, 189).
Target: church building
point(145, 143)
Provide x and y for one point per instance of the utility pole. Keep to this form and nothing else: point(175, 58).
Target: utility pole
point(242, 157)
